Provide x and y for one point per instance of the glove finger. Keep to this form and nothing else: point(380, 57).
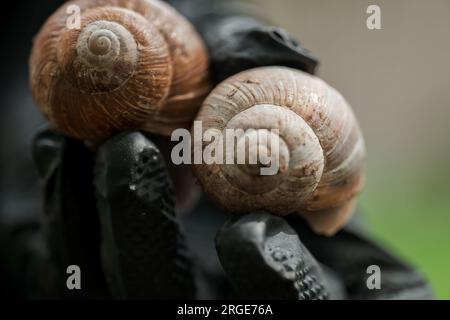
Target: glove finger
point(237, 43)
point(143, 251)
point(350, 254)
point(265, 259)
point(70, 223)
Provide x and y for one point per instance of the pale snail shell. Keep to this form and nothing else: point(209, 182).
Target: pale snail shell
point(321, 148)
point(132, 64)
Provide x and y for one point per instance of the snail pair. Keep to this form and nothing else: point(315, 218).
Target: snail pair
point(138, 64)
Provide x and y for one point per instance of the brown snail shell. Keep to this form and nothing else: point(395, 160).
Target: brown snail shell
point(321, 148)
point(132, 64)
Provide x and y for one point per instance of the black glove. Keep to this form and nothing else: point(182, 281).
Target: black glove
point(237, 41)
point(265, 258)
point(118, 224)
point(112, 213)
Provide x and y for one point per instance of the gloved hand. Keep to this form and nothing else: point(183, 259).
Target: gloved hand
point(75, 211)
point(277, 258)
point(112, 213)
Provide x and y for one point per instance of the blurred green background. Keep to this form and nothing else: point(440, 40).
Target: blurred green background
point(397, 80)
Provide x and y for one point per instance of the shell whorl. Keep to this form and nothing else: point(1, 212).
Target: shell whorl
point(131, 64)
point(288, 141)
point(320, 146)
point(105, 54)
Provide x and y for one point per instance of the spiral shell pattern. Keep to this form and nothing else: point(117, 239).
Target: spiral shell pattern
point(106, 55)
point(132, 64)
point(321, 149)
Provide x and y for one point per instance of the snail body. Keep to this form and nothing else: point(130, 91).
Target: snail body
point(321, 149)
point(131, 64)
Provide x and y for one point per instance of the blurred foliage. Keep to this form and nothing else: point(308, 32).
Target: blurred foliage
point(413, 220)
